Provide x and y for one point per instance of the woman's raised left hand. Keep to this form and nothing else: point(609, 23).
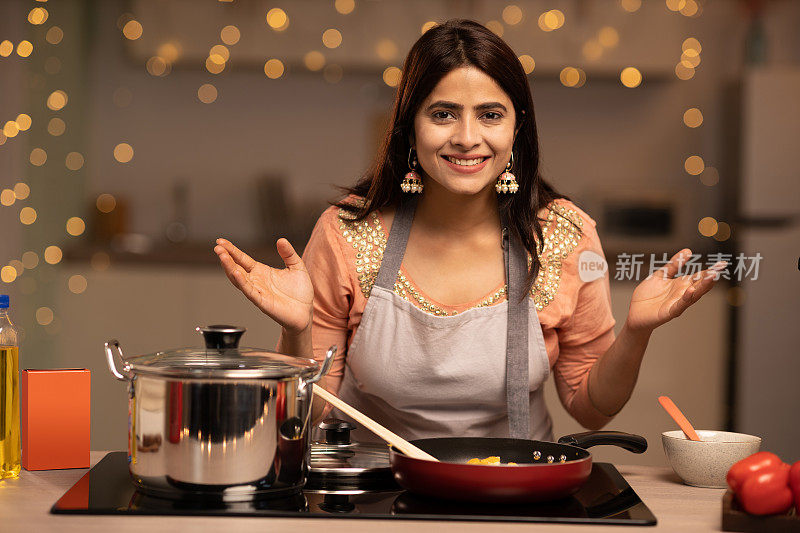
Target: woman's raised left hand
point(662, 297)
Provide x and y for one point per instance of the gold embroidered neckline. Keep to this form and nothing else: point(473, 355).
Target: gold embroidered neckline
point(369, 239)
point(558, 244)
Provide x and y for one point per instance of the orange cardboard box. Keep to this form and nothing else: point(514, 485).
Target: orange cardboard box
point(54, 412)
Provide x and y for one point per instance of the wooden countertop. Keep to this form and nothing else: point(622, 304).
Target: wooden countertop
point(25, 506)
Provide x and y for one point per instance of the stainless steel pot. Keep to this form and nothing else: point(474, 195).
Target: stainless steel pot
point(220, 422)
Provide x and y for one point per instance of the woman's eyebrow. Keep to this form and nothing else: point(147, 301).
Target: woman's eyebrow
point(490, 105)
point(458, 107)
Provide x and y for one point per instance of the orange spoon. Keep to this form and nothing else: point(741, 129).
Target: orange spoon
point(678, 417)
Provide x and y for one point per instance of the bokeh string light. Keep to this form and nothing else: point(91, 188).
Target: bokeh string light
point(608, 37)
point(75, 226)
point(496, 27)
point(53, 254)
point(28, 215)
point(38, 157)
point(22, 191)
point(56, 127)
point(332, 38)
point(44, 316)
point(551, 20)
point(572, 77)
point(345, 7)
point(6, 48)
point(57, 100)
point(123, 152)
point(106, 203)
point(386, 49)
point(10, 129)
point(24, 122)
point(707, 226)
point(230, 35)
point(8, 274)
point(207, 93)
point(100, 261)
point(631, 6)
point(74, 161)
point(512, 15)
point(630, 77)
point(694, 165)
point(427, 25)
point(7, 197)
point(30, 260)
point(132, 30)
point(24, 49)
point(314, 60)
point(54, 35)
point(77, 284)
point(38, 15)
point(274, 68)
point(277, 19)
point(391, 76)
point(693, 117)
point(527, 62)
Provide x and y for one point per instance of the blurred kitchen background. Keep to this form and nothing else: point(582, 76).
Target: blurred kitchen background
point(136, 132)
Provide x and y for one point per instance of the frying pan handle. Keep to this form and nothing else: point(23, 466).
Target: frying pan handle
point(632, 443)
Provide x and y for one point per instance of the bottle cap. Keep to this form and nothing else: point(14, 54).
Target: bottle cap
point(4, 301)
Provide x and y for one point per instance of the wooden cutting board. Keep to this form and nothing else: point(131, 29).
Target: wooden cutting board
point(735, 519)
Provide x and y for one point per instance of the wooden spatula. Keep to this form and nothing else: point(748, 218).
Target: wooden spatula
point(392, 438)
point(678, 417)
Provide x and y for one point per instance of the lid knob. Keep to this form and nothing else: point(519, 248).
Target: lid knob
point(336, 431)
point(221, 336)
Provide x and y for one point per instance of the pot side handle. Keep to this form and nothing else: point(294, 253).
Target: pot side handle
point(113, 348)
point(326, 365)
point(632, 443)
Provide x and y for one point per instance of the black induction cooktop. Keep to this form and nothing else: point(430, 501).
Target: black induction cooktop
point(606, 498)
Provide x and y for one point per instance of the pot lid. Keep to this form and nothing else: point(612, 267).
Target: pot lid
point(221, 358)
point(340, 464)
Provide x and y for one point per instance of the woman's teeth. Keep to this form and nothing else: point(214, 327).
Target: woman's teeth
point(465, 162)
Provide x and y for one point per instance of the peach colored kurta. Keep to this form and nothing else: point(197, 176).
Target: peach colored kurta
point(343, 258)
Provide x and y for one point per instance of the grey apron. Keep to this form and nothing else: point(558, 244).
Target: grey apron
point(478, 373)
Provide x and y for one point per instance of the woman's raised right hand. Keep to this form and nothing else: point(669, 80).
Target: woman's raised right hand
point(286, 295)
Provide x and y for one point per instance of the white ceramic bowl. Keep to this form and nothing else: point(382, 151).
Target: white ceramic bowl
point(706, 463)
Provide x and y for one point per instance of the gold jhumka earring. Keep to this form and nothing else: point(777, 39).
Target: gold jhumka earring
point(412, 182)
point(507, 183)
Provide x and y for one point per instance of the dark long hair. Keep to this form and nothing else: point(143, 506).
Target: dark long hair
point(443, 48)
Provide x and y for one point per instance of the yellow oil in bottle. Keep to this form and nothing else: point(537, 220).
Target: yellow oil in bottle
point(9, 412)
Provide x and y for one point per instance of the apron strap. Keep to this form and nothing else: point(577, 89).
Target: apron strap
point(396, 243)
point(516, 270)
point(517, 371)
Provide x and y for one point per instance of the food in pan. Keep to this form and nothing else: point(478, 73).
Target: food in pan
point(491, 460)
point(495, 460)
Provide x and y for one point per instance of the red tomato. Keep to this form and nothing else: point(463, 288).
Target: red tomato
point(766, 491)
point(794, 484)
point(748, 466)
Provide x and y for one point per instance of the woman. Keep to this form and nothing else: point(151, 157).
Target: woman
point(453, 291)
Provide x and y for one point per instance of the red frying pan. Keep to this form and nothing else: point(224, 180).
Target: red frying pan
point(544, 471)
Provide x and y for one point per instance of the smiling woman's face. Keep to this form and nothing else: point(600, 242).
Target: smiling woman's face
point(464, 131)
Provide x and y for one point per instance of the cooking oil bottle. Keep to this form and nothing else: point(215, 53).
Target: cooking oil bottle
point(9, 394)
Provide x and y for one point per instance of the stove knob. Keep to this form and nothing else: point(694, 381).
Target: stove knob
point(337, 503)
point(336, 431)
